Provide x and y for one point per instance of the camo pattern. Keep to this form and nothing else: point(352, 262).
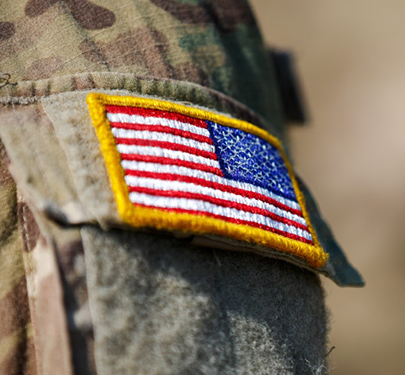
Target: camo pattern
point(17, 353)
point(56, 299)
point(211, 43)
point(45, 294)
point(214, 43)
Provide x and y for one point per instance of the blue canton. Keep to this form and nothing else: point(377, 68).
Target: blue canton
point(245, 157)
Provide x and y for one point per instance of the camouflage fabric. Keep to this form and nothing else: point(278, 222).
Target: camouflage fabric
point(214, 43)
point(17, 354)
point(79, 297)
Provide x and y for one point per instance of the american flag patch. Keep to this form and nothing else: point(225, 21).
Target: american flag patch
point(176, 167)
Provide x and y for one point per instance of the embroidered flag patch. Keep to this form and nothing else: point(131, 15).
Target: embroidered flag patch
point(175, 167)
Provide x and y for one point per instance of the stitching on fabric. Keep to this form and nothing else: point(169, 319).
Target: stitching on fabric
point(25, 228)
point(236, 200)
point(148, 170)
point(130, 83)
point(210, 207)
point(140, 216)
point(235, 157)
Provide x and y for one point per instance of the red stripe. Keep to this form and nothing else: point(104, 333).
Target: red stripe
point(213, 185)
point(218, 202)
point(235, 221)
point(162, 129)
point(156, 113)
point(167, 145)
point(169, 161)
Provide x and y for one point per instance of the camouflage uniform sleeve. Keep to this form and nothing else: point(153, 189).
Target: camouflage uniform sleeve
point(81, 295)
point(16, 328)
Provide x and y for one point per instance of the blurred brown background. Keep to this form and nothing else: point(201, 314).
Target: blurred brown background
point(351, 60)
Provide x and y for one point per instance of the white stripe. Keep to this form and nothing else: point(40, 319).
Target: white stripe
point(135, 119)
point(199, 205)
point(184, 171)
point(152, 183)
point(165, 153)
point(163, 137)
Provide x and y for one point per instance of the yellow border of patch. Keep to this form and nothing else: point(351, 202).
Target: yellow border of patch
point(149, 217)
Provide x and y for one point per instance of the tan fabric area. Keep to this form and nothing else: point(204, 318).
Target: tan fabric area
point(38, 164)
point(70, 117)
point(47, 309)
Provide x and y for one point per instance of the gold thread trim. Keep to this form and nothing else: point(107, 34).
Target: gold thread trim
point(150, 217)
